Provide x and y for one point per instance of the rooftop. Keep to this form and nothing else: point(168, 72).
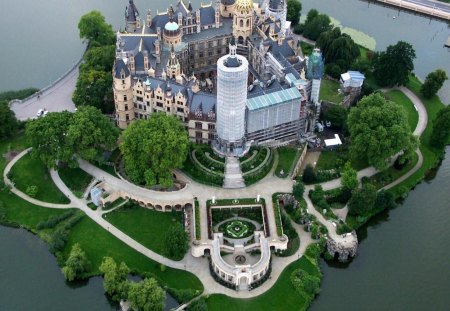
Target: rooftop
point(273, 98)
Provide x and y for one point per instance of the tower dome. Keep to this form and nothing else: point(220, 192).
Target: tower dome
point(244, 5)
point(172, 33)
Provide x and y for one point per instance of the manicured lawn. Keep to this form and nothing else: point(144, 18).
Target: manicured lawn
point(286, 157)
point(76, 179)
point(389, 175)
point(282, 296)
point(29, 171)
point(336, 159)
point(197, 174)
point(329, 91)
point(306, 48)
point(98, 243)
point(402, 100)
point(146, 226)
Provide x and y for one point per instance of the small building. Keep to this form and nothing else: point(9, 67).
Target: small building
point(96, 195)
point(352, 80)
point(333, 142)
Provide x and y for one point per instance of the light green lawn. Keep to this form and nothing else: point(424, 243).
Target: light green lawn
point(401, 99)
point(286, 157)
point(329, 91)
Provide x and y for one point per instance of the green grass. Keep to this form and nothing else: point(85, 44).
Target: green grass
point(402, 100)
point(335, 159)
point(146, 226)
point(76, 179)
point(199, 175)
point(98, 243)
point(329, 91)
point(286, 157)
point(306, 48)
point(20, 94)
point(282, 296)
point(29, 171)
point(391, 174)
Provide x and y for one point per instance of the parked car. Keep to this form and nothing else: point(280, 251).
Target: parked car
point(40, 113)
point(45, 112)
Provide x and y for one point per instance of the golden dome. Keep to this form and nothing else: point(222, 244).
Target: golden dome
point(244, 5)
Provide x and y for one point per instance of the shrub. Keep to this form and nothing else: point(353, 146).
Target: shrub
point(309, 175)
point(198, 305)
point(52, 221)
point(32, 191)
point(298, 190)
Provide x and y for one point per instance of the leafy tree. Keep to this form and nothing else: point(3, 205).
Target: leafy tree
point(99, 58)
point(309, 175)
point(152, 148)
point(77, 264)
point(379, 130)
point(90, 131)
point(114, 278)
point(441, 128)
point(337, 115)
point(338, 48)
point(146, 296)
point(433, 83)
point(93, 88)
point(198, 305)
point(349, 177)
point(393, 66)
point(32, 191)
point(315, 24)
point(363, 200)
point(8, 121)
point(298, 189)
point(94, 28)
point(305, 283)
point(176, 242)
point(385, 200)
point(293, 12)
point(48, 137)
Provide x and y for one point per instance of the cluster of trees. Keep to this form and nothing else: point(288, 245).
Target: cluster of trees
point(339, 51)
point(293, 13)
point(379, 130)
point(336, 114)
point(94, 82)
point(366, 200)
point(61, 135)
point(393, 66)
point(440, 136)
point(77, 264)
point(151, 148)
point(433, 83)
point(314, 25)
point(145, 295)
point(176, 242)
point(305, 284)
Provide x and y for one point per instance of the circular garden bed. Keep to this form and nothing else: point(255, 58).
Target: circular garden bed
point(237, 229)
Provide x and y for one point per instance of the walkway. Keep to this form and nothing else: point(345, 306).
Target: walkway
point(57, 97)
point(233, 175)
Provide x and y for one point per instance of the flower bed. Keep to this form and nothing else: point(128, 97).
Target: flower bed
point(237, 229)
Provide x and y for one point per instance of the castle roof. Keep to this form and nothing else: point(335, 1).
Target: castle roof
point(131, 12)
point(120, 68)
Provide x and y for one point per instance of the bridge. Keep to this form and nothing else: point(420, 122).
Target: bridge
point(430, 8)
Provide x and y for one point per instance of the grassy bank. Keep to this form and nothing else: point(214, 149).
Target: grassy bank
point(76, 179)
point(329, 91)
point(402, 100)
point(286, 158)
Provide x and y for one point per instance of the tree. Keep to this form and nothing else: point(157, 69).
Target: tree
point(146, 296)
point(48, 137)
point(315, 24)
point(198, 305)
point(152, 148)
point(77, 264)
point(298, 189)
point(90, 132)
point(176, 242)
point(294, 8)
point(393, 66)
point(349, 177)
point(385, 200)
point(363, 200)
point(93, 88)
point(433, 83)
point(338, 48)
point(99, 58)
point(114, 278)
point(8, 121)
point(379, 130)
point(336, 114)
point(309, 175)
point(94, 28)
point(441, 128)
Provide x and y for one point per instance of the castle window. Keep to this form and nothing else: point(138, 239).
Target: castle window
point(140, 99)
point(168, 109)
point(211, 136)
point(127, 117)
point(198, 125)
point(198, 134)
point(125, 98)
point(126, 107)
point(179, 109)
point(211, 126)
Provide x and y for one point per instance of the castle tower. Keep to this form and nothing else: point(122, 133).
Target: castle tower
point(227, 8)
point(243, 20)
point(123, 94)
point(173, 67)
point(315, 73)
point(232, 75)
point(217, 13)
point(277, 10)
point(132, 19)
point(149, 18)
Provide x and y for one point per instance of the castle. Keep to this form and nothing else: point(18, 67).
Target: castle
point(168, 62)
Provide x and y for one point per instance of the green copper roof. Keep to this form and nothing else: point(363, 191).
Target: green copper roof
point(274, 98)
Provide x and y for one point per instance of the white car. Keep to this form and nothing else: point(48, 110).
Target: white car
point(40, 113)
point(45, 112)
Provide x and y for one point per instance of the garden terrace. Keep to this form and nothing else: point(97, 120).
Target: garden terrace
point(199, 173)
point(255, 160)
point(261, 171)
point(287, 159)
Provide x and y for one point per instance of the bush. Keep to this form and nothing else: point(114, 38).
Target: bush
point(198, 305)
point(309, 175)
point(52, 221)
point(333, 70)
point(298, 190)
point(32, 191)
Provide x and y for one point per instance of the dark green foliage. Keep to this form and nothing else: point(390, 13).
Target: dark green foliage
point(379, 129)
point(363, 200)
point(61, 234)
point(291, 233)
point(309, 175)
point(20, 94)
point(315, 24)
point(176, 242)
point(99, 58)
point(336, 114)
point(338, 48)
point(146, 296)
point(349, 177)
point(261, 172)
point(198, 305)
point(298, 189)
point(305, 284)
point(255, 161)
point(441, 128)
point(54, 220)
point(114, 278)
point(338, 195)
point(77, 264)
point(333, 70)
point(8, 121)
point(433, 83)
point(384, 200)
point(152, 148)
point(93, 27)
point(293, 12)
point(222, 214)
point(32, 191)
point(393, 66)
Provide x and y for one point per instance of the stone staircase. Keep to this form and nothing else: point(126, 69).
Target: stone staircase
point(233, 174)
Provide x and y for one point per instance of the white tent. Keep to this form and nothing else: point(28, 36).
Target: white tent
point(336, 141)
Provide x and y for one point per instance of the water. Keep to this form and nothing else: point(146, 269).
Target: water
point(402, 262)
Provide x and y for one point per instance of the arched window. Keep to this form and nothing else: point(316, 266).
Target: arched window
point(248, 23)
point(241, 23)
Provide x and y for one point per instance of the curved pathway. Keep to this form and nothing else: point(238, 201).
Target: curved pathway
point(199, 266)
